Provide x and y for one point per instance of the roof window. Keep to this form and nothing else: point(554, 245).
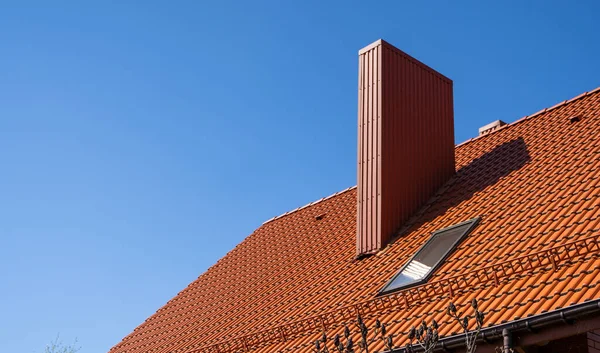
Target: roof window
point(428, 258)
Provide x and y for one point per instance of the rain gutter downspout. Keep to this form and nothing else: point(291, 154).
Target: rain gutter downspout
point(507, 339)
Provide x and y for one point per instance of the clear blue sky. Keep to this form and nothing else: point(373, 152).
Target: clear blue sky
point(140, 142)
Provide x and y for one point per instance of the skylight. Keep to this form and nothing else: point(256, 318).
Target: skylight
point(426, 260)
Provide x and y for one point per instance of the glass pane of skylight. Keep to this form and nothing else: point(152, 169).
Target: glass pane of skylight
point(430, 255)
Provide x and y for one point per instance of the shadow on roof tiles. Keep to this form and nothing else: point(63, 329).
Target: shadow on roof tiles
point(480, 174)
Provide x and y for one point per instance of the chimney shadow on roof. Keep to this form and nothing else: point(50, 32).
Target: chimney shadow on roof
point(481, 173)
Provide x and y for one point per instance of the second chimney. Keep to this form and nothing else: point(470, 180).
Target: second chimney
point(405, 140)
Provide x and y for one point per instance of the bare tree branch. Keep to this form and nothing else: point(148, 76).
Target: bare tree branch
point(57, 346)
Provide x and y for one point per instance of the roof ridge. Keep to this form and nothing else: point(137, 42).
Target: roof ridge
point(527, 117)
point(309, 204)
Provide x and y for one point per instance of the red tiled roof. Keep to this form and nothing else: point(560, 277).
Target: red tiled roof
point(536, 185)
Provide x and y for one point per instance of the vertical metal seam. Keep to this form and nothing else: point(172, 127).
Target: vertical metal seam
point(366, 150)
point(378, 144)
point(358, 157)
point(372, 149)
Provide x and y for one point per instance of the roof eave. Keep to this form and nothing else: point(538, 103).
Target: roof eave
point(580, 318)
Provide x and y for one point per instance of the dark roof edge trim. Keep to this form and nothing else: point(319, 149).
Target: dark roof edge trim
point(560, 316)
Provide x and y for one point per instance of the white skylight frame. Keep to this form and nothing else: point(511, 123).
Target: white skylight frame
point(421, 273)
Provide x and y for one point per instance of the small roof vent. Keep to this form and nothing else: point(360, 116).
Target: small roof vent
point(491, 127)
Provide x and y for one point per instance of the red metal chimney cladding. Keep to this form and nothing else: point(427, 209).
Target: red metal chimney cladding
point(405, 140)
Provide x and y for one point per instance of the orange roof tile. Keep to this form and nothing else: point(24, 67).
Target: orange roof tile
point(536, 185)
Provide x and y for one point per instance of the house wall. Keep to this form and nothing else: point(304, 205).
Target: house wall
point(581, 343)
point(573, 344)
point(593, 341)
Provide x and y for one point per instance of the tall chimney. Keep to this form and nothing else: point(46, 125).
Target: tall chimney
point(405, 140)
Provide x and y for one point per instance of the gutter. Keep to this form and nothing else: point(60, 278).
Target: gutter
point(505, 331)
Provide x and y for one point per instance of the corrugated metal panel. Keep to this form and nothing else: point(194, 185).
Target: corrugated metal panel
point(405, 140)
